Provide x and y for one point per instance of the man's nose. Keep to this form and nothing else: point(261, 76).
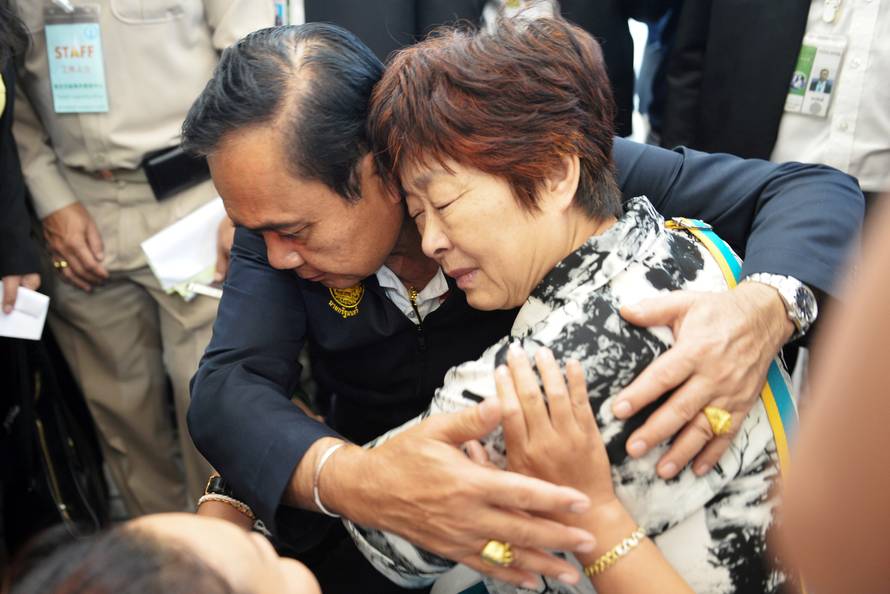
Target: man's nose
point(281, 254)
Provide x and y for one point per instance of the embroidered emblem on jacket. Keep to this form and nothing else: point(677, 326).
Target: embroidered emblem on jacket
point(345, 301)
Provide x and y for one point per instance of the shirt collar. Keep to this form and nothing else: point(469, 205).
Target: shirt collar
point(602, 257)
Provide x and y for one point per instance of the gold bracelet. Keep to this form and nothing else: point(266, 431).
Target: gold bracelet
point(238, 505)
point(620, 550)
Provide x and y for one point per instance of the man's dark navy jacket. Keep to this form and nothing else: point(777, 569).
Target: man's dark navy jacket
point(378, 369)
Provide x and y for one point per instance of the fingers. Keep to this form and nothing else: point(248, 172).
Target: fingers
point(466, 425)
point(512, 417)
point(578, 396)
point(31, 281)
point(659, 311)
point(666, 372)
point(475, 452)
point(556, 390)
point(525, 380)
point(512, 490)
point(510, 575)
point(222, 265)
point(10, 289)
point(528, 531)
point(670, 417)
point(225, 236)
point(84, 263)
point(696, 439)
point(715, 449)
point(527, 565)
point(94, 242)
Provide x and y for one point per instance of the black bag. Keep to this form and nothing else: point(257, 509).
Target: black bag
point(51, 463)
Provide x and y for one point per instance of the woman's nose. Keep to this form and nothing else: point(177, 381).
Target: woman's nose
point(281, 253)
point(435, 242)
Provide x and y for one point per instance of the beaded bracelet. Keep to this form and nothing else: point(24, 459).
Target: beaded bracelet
point(239, 505)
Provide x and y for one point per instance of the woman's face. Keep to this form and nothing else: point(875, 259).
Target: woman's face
point(475, 229)
point(245, 559)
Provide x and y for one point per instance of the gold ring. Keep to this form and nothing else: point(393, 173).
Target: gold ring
point(719, 419)
point(60, 264)
point(497, 553)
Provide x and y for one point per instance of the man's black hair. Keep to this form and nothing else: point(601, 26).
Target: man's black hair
point(313, 81)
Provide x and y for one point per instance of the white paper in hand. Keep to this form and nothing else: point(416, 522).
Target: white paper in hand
point(186, 250)
point(27, 317)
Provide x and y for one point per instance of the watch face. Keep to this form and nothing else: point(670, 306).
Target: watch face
point(806, 305)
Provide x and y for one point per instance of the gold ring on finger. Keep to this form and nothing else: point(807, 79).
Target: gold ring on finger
point(498, 553)
point(60, 264)
point(719, 419)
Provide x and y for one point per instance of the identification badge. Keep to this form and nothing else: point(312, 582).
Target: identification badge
point(76, 67)
point(815, 75)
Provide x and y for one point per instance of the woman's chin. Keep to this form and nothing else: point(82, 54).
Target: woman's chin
point(485, 301)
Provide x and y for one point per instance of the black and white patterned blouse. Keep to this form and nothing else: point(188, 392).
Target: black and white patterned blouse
point(712, 529)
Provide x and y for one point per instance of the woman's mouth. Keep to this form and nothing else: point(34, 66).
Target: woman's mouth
point(463, 276)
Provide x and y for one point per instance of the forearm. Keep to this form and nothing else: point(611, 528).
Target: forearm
point(641, 570)
point(299, 492)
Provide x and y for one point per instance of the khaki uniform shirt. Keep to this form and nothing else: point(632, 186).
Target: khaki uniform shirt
point(158, 56)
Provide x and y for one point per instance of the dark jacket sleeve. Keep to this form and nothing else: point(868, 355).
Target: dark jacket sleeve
point(241, 416)
point(793, 219)
point(18, 254)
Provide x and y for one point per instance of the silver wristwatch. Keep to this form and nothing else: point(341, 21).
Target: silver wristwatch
point(800, 302)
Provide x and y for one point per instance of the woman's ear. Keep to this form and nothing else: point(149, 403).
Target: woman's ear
point(562, 184)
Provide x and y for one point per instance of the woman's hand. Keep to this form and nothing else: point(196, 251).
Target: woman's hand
point(563, 447)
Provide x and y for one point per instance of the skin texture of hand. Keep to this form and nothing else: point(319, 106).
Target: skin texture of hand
point(72, 236)
point(559, 441)
point(11, 286)
point(724, 345)
point(225, 237)
point(421, 486)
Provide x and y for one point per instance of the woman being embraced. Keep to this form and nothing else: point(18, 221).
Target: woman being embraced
point(501, 144)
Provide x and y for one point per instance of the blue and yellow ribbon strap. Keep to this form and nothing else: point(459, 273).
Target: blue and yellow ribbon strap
point(780, 408)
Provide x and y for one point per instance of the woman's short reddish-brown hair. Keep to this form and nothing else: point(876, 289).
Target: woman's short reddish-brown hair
point(511, 103)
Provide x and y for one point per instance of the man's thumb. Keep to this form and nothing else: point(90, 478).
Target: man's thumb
point(466, 425)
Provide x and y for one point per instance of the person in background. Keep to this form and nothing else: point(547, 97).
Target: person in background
point(835, 498)
point(734, 84)
point(389, 25)
point(86, 158)
point(606, 20)
point(172, 553)
point(19, 264)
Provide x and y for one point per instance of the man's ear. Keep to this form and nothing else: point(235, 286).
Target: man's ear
point(562, 183)
point(368, 168)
